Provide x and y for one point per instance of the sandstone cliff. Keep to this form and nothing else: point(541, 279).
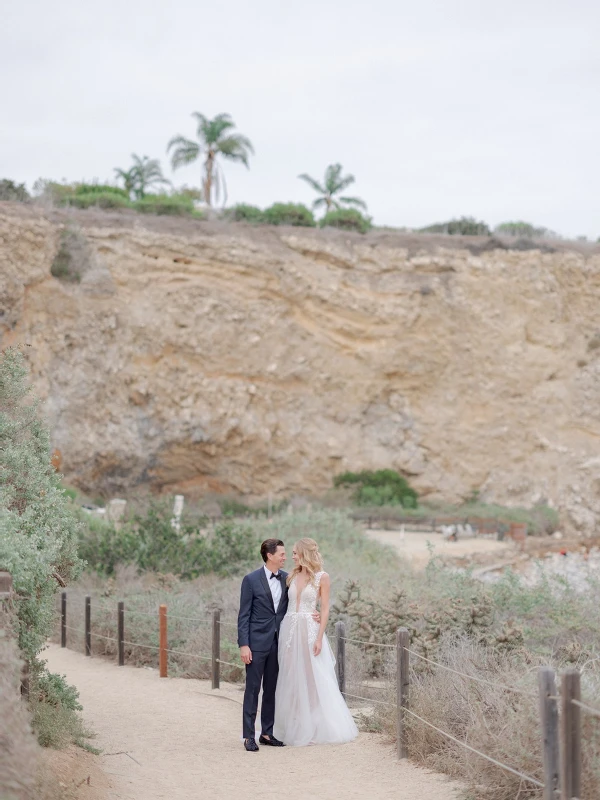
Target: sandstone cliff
point(198, 356)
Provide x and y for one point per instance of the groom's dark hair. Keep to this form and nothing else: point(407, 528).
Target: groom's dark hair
point(270, 546)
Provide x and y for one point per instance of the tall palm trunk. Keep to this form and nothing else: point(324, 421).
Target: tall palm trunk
point(209, 166)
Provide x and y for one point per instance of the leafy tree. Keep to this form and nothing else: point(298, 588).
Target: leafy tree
point(465, 226)
point(348, 219)
point(378, 488)
point(243, 212)
point(331, 187)
point(15, 192)
point(216, 137)
point(289, 214)
point(128, 176)
point(53, 192)
point(145, 174)
point(524, 229)
point(38, 529)
point(164, 204)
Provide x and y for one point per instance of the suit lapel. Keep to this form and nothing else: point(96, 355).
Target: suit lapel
point(265, 583)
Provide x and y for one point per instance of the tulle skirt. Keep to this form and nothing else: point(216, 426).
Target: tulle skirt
point(309, 708)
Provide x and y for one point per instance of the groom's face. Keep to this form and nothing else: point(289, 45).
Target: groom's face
point(277, 559)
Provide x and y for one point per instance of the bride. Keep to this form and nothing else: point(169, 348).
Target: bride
point(309, 708)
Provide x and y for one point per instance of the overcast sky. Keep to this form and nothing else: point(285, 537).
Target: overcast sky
point(439, 108)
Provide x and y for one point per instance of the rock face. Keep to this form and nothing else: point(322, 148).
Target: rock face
point(196, 357)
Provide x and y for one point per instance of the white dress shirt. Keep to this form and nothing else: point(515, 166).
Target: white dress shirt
point(274, 586)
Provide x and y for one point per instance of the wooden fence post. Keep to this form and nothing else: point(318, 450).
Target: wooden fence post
point(550, 732)
point(402, 689)
point(163, 645)
point(121, 632)
point(216, 647)
point(63, 619)
point(88, 626)
point(571, 735)
point(340, 656)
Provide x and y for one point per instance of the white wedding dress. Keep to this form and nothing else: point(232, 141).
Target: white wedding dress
point(309, 708)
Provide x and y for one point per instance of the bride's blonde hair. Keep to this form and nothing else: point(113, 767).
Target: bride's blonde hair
point(309, 558)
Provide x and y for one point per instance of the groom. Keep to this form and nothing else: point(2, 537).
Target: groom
point(263, 604)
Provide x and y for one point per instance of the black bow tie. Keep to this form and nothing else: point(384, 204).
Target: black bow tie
point(275, 575)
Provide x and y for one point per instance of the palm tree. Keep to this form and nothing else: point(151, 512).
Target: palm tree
point(128, 178)
point(333, 184)
point(215, 138)
point(143, 175)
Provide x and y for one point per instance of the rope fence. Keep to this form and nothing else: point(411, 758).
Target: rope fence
point(560, 711)
point(476, 678)
point(477, 752)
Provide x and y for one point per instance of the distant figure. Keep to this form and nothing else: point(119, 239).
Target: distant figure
point(449, 533)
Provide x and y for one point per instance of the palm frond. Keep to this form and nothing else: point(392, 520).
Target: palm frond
point(184, 151)
point(343, 183)
point(203, 123)
point(312, 183)
point(320, 201)
point(214, 129)
point(353, 201)
point(236, 148)
point(332, 177)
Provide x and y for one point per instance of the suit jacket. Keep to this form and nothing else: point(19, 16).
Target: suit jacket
point(258, 620)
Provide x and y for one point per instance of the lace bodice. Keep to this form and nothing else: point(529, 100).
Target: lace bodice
point(307, 602)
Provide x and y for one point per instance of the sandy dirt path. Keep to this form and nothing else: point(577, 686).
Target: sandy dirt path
point(176, 739)
point(415, 546)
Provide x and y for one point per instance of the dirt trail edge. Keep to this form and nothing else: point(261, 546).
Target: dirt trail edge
point(177, 739)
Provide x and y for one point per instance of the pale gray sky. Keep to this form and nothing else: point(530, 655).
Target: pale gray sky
point(439, 107)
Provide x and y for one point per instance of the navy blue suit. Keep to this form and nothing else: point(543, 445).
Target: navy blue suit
point(258, 628)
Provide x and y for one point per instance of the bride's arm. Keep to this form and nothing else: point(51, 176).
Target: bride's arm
point(325, 588)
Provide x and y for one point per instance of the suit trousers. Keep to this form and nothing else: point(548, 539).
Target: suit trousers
point(264, 668)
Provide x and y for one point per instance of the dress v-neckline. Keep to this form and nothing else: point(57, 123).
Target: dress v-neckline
point(299, 593)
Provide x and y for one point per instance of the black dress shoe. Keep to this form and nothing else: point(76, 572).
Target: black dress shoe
point(271, 741)
point(251, 746)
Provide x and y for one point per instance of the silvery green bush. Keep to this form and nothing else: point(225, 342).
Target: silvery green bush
point(38, 527)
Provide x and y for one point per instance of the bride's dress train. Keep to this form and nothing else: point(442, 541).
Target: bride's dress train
point(309, 708)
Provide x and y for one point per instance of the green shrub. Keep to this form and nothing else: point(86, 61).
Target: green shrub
point(164, 204)
point(73, 256)
point(152, 544)
point(55, 713)
point(14, 192)
point(465, 226)
point(246, 213)
point(378, 488)
point(100, 188)
point(38, 529)
point(348, 219)
point(53, 191)
point(106, 199)
point(230, 507)
point(289, 214)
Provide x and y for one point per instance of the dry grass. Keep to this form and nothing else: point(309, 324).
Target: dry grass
point(142, 595)
point(503, 724)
